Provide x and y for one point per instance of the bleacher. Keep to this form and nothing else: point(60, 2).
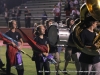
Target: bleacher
point(36, 8)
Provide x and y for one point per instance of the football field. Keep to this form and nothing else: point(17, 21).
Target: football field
point(29, 65)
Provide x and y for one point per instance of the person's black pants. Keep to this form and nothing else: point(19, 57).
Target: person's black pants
point(27, 23)
point(40, 65)
point(8, 67)
point(7, 19)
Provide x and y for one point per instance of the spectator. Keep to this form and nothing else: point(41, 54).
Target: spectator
point(6, 14)
point(27, 19)
point(44, 16)
point(26, 9)
point(67, 8)
point(5, 6)
point(18, 14)
point(13, 14)
point(59, 4)
point(2, 6)
point(71, 4)
point(75, 2)
point(75, 13)
point(56, 12)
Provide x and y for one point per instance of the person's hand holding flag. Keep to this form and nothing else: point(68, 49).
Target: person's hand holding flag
point(13, 44)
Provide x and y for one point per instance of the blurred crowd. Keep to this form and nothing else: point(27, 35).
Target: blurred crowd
point(2, 6)
point(71, 9)
point(10, 4)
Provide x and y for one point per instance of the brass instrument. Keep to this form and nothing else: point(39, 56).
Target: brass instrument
point(91, 7)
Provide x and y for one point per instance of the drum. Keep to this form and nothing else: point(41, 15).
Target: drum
point(58, 36)
point(63, 36)
point(53, 35)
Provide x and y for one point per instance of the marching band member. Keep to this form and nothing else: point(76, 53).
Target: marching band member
point(89, 63)
point(53, 49)
point(11, 50)
point(68, 50)
point(37, 57)
point(72, 52)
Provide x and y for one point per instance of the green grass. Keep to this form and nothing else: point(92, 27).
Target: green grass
point(29, 65)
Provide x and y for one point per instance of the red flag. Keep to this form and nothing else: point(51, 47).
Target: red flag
point(35, 45)
point(11, 50)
